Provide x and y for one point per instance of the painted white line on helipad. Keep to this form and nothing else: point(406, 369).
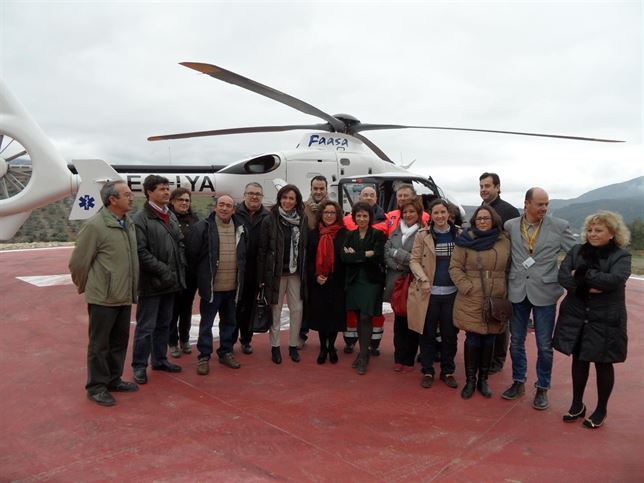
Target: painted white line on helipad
point(18, 250)
point(48, 280)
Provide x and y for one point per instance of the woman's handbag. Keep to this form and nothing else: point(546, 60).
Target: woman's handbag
point(495, 310)
point(262, 314)
point(400, 293)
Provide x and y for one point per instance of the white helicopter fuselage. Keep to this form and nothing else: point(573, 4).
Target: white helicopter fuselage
point(332, 156)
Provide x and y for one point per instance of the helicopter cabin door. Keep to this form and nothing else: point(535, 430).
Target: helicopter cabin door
point(305, 165)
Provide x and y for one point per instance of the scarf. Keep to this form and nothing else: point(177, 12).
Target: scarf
point(478, 240)
point(325, 257)
point(292, 221)
point(164, 215)
point(407, 231)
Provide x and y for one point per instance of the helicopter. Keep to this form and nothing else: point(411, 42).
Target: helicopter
point(34, 174)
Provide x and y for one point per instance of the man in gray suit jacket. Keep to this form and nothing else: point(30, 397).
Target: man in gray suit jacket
point(533, 287)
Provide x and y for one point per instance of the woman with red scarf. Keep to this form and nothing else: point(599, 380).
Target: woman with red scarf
point(325, 309)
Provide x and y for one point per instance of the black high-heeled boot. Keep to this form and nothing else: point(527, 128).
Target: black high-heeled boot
point(471, 357)
point(487, 352)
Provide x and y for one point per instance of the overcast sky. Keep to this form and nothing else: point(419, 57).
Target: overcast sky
point(100, 77)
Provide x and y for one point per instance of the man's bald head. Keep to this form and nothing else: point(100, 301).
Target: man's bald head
point(369, 195)
point(224, 208)
point(536, 204)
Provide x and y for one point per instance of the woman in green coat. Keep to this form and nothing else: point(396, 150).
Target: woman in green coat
point(363, 254)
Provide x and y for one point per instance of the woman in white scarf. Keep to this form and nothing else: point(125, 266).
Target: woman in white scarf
point(397, 256)
point(280, 266)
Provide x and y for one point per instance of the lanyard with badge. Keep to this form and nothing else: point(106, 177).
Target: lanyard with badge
point(530, 239)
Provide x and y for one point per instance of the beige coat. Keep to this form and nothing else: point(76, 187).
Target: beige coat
point(423, 266)
point(463, 270)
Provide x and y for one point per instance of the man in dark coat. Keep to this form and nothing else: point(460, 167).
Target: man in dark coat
point(250, 212)
point(490, 191)
point(216, 251)
point(162, 262)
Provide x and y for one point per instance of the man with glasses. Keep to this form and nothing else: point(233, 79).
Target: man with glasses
point(533, 287)
point(105, 267)
point(250, 212)
point(490, 191)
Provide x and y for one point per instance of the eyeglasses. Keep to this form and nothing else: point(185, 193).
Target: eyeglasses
point(483, 218)
point(254, 194)
point(183, 200)
point(329, 213)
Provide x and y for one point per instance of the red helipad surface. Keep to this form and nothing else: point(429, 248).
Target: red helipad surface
point(301, 422)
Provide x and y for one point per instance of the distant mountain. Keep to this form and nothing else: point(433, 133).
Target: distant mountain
point(625, 198)
point(633, 189)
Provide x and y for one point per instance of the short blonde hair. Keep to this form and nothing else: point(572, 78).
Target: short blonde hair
point(615, 224)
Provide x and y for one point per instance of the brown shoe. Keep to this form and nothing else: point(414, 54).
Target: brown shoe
point(427, 381)
point(228, 359)
point(203, 367)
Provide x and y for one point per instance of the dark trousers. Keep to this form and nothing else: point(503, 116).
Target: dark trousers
point(153, 314)
point(439, 314)
point(243, 315)
point(224, 303)
point(182, 316)
point(501, 342)
point(405, 342)
point(109, 333)
point(479, 340)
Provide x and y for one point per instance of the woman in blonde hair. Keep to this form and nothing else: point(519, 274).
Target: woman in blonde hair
point(592, 316)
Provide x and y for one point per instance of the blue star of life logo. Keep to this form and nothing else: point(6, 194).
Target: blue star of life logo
point(86, 202)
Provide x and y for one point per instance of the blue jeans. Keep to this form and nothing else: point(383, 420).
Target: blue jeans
point(153, 314)
point(544, 323)
point(224, 303)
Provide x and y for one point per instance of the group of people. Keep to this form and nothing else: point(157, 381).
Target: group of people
point(441, 276)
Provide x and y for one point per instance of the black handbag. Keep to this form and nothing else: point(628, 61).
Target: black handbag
point(262, 313)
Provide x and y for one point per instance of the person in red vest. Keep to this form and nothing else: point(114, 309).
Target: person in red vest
point(403, 193)
point(380, 222)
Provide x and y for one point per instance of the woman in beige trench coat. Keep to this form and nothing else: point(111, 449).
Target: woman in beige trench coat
point(431, 296)
point(482, 251)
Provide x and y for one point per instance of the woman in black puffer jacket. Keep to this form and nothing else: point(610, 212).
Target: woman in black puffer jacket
point(592, 316)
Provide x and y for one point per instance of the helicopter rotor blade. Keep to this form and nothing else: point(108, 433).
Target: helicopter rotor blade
point(16, 156)
point(263, 90)
point(381, 154)
point(241, 130)
point(375, 127)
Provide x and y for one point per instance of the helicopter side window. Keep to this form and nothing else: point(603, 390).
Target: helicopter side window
point(260, 165)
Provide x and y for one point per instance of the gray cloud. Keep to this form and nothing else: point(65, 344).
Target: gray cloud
point(101, 77)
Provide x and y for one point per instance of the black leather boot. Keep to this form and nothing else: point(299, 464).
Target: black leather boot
point(471, 356)
point(276, 355)
point(294, 354)
point(484, 369)
point(365, 330)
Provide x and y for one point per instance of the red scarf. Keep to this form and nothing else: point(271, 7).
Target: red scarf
point(325, 257)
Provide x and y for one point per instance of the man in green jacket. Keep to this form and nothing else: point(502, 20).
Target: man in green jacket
point(105, 267)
